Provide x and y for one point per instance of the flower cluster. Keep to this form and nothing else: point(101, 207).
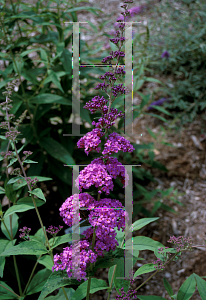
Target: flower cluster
point(116, 143)
point(26, 153)
point(181, 243)
point(12, 134)
point(100, 174)
point(32, 181)
point(91, 140)
point(165, 54)
point(25, 233)
point(53, 230)
point(163, 253)
point(159, 265)
point(103, 214)
point(73, 203)
point(9, 154)
point(119, 89)
point(65, 261)
point(107, 120)
point(96, 104)
point(131, 294)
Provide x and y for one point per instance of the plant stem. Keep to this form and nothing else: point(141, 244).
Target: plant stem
point(110, 287)
point(17, 275)
point(65, 294)
point(89, 280)
point(31, 275)
point(156, 271)
point(15, 263)
point(9, 290)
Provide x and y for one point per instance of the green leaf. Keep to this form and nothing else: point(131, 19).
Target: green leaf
point(44, 57)
point(7, 223)
point(66, 238)
point(141, 223)
point(12, 180)
point(2, 191)
point(18, 65)
point(28, 51)
point(38, 281)
point(168, 287)
point(23, 183)
point(187, 289)
point(85, 114)
point(41, 110)
point(168, 208)
point(55, 281)
point(162, 110)
point(158, 117)
point(39, 235)
point(150, 79)
point(144, 243)
point(12, 161)
point(56, 150)
point(145, 100)
point(4, 244)
point(29, 201)
point(50, 98)
point(138, 84)
point(201, 285)
point(151, 133)
point(17, 208)
point(54, 78)
point(118, 282)
point(29, 161)
point(29, 76)
point(87, 8)
point(62, 172)
point(46, 261)
point(26, 248)
point(60, 296)
point(145, 269)
point(38, 192)
point(66, 59)
point(150, 297)
point(96, 285)
point(10, 193)
point(4, 82)
point(5, 294)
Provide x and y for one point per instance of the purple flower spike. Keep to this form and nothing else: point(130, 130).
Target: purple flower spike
point(158, 102)
point(133, 11)
point(165, 54)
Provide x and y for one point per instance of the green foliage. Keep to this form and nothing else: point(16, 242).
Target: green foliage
point(180, 30)
point(37, 45)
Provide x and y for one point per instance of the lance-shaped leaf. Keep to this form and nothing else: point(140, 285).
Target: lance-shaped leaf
point(96, 285)
point(5, 294)
point(7, 223)
point(17, 208)
point(38, 281)
point(201, 285)
point(187, 289)
point(56, 150)
point(145, 269)
point(141, 223)
point(66, 238)
point(46, 261)
point(26, 248)
point(55, 281)
point(143, 243)
point(38, 192)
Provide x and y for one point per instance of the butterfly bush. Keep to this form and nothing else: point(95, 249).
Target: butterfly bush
point(104, 213)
